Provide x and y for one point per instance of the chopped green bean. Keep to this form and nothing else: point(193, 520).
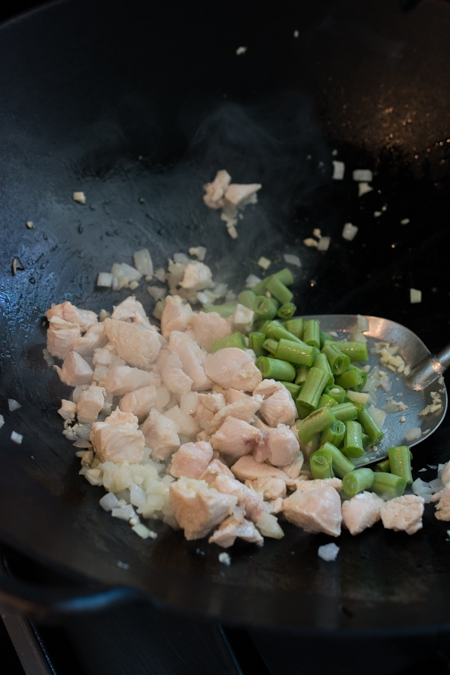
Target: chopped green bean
point(295, 326)
point(339, 362)
point(341, 464)
point(363, 376)
point(302, 411)
point(295, 352)
point(247, 298)
point(384, 466)
point(285, 276)
point(321, 361)
point(270, 346)
point(353, 446)
point(279, 290)
point(234, 340)
point(326, 400)
point(275, 369)
point(256, 341)
point(222, 310)
point(313, 388)
point(294, 389)
point(369, 425)
point(311, 333)
point(357, 481)
point(400, 462)
point(265, 308)
point(387, 485)
point(356, 351)
point(286, 311)
point(302, 374)
point(334, 434)
point(321, 463)
point(338, 393)
point(276, 331)
point(325, 337)
point(345, 411)
point(351, 379)
point(316, 422)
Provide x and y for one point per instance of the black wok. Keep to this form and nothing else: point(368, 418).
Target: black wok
point(138, 105)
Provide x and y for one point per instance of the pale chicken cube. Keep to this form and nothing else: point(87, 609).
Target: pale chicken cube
point(191, 459)
point(186, 424)
point(233, 395)
point(75, 370)
point(161, 435)
point(197, 507)
point(208, 327)
point(279, 446)
point(316, 510)
point(94, 338)
point(247, 468)
point(243, 318)
point(231, 529)
point(254, 507)
point(118, 439)
point(62, 336)
point(68, 410)
point(192, 359)
point(123, 379)
point(215, 191)
point(403, 514)
point(90, 403)
point(68, 312)
point(232, 368)
point(172, 373)
point(239, 195)
point(176, 315)
point(213, 401)
point(270, 488)
point(213, 469)
point(139, 402)
point(267, 387)
point(236, 438)
point(137, 344)
point(305, 485)
point(361, 511)
point(197, 277)
point(107, 356)
point(293, 469)
point(279, 408)
point(129, 310)
point(243, 409)
point(443, 503)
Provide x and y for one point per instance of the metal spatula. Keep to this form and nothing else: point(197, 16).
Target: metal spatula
point(415, 391)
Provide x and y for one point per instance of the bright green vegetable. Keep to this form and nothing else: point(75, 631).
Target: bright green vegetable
point(234, 340)
point(400, 462)
point(275, 369)
point(316, 422)
point(321, 465)
point(358, 480)
point(313, 388)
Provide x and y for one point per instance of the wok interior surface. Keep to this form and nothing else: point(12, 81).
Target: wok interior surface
point(140, 104)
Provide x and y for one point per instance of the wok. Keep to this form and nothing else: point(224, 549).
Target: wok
point(139, 104)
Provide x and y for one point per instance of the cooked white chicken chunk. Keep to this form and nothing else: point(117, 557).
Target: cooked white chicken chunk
point(233, 395)
point(293, 469)
point(235, 438)
point(443, 503)
point(361, 511)
point(247, 468)
point(232, 368)
point(251, 502)
point(176, 315)
point(75, 370)
point(305, 485)
point(197, 277)
point(90, 403)
point(191, 459)
point(243, 317)
point(208, 327)
point(94, 338)
point(161, 435)
point(215, 191)
point(270, 488)
point(267, 387)
point(213, 469)
point(139, 402)
point(68, 409)
point(317, 510)
point(197, 507)
point(279, 408)
point(243, 409)
point(279, 446)
point(123, 379)
point(118, 439)
point(192, 359)
point(137, 344)
point(83, 317)
point(230, 529)
point(239, 195)
point(403, 513)
point(107, 356)
point(129, 310)
point(185, 423)
point(62, 336)
point(172, 374)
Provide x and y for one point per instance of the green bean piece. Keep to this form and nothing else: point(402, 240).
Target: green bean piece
point(362, 373)
point(388, 485)
point(265, 308)
point(365, 440)
point(345, 411)
point(279, 290)
point(285, 276)
point(295, 352)
point(338, 393)
point(247, 298)
point(339, 362)
point(222, 310)
point(260, 288)
point(302, 374)
point(316, 422)
point(400, 462)
point(369, 425)
point(286, 311)
point(295, 326)
point(384, 466)
point(321, 361)
point(270, 346)
point(234, 340)
point(356, 351)
point(276, 331)
point(325, 337)
point(302, 411)
point(313, 388)
point(321, 463)
point(351, 379)
point(260, 325)
point(341, 464)
point(256, 341)
point(353, 446)
point(358, 480)
point(334, 434)
point(311, 333)
point(294, 389)
point(275, 369)
point(326, 400)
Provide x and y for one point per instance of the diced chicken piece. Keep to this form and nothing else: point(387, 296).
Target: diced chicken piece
point(361, 511)
point(186, 424)
point(123, 379)
point(230, 529)
point(197, 277)
point(213, 469)
point(262, 426)
point(90, 403)
point(269, 487)
point(236, 438)
point(316, 510)
point(68, 410)
point(267, 387)
point(208, 327)
point(139, 402)
point(176, 315)
point(75, 370)
point(233, 395)
point(243, 409)
point(443, 503)
point(279, 408)
point(198, 508)
point(191, 459)
point(68, 312)
point(192, 359)
point(215, 191)
point(130, 310)
point(232, 368)
point(107, 356)
point(252, 503)
point(445, 475)
point(118, 439)
point(403, 514)
point(247, 468)
point(279, 446)
point(305, 485)
point(173, 376)
point(213, 401)
point(276, 506)
point(62, 336)
point(137, 344)
point(241, 194)
point(161, 435)
point(94, 338)
point(243, 317)
point(204, 436)
point(293, 469)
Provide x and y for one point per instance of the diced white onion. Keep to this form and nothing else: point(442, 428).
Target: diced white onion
point(377, 415)
point(79, 197)
point(123, 512)
point(264, 262)
point(413, 434)
point(349, 231)
point(16, 438)
point(156, 292)
point(199, 252)
point(292, 259)
point(269, 527)
point(328, 552)
point(363, 188)
point(364, 175)
point(363, 322)
point(143, 531)
point(2, 421)
point(137, 495)
point(104, 280)
point(309, 241)
point(13, 404)
point(324, 244)
point(225, 559)
point(338, 170)
point(143, 262)
point(357, 396)
point(415, 296)
point(109, 501)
